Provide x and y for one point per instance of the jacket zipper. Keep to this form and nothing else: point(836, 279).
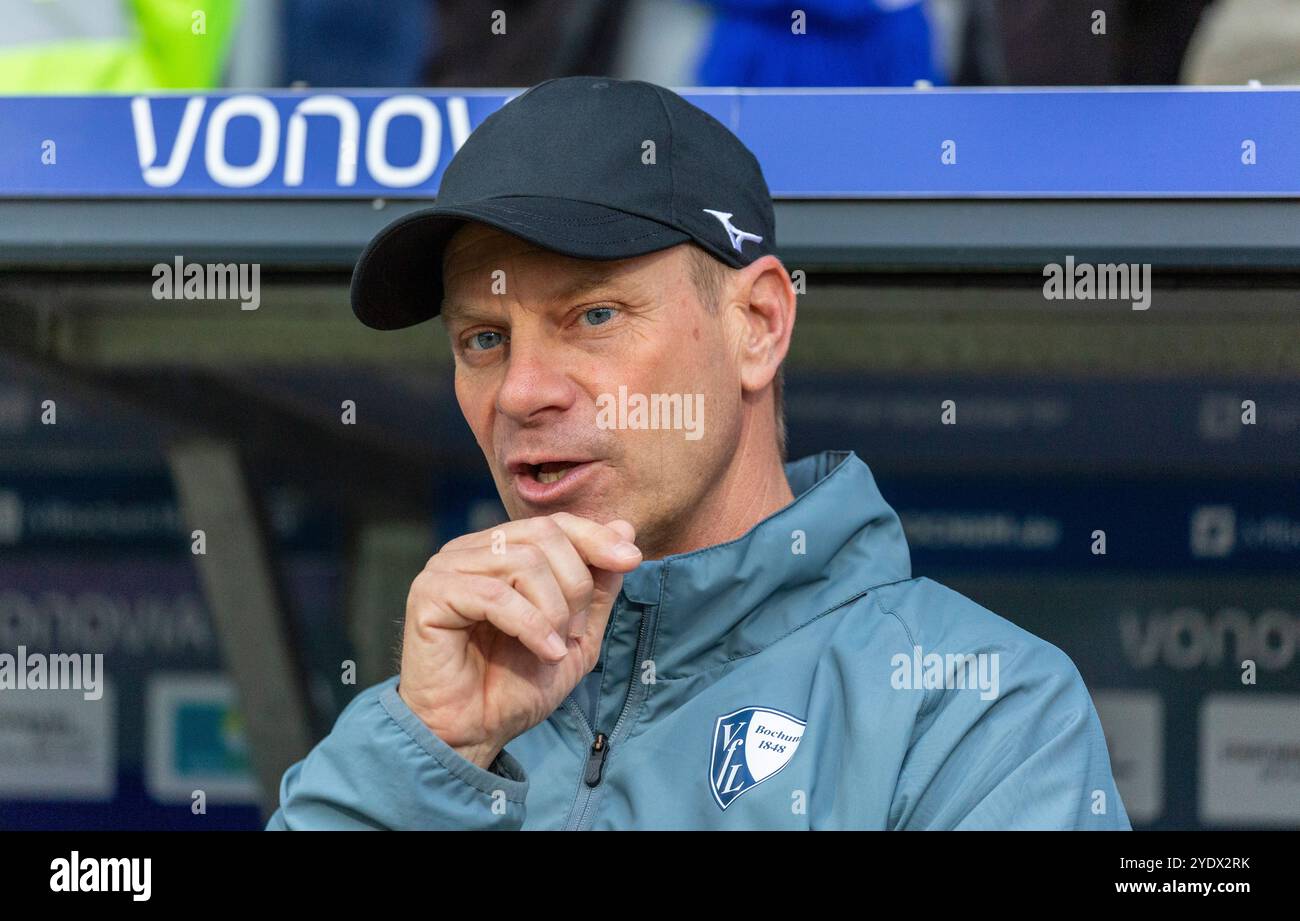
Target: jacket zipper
point(594, 769)
point(596, 760)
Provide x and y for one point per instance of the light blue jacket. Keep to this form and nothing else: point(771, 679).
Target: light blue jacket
point(795, 678)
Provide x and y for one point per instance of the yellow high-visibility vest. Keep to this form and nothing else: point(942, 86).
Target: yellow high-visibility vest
point(87, 46)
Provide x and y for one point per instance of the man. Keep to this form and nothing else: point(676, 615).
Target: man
point(674, 630)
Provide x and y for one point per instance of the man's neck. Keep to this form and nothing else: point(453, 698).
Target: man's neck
point(749, 490)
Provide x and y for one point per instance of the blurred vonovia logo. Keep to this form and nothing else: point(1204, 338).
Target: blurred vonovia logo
point(1187, 637)
point(11, 517)
point(1213, 531)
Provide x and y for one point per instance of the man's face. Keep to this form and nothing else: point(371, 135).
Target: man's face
point(546, 345)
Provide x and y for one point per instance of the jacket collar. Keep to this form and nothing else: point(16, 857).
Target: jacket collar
point(837, 539)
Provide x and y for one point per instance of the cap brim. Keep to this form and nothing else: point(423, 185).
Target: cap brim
point(398, 279)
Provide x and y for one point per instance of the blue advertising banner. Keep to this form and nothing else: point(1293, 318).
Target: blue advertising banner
point(161, 718)
point(98, 563)
point(858, 143)
point(1049, 422)
point(1194, 678)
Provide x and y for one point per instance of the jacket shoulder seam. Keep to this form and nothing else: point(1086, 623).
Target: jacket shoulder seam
point(911, 640)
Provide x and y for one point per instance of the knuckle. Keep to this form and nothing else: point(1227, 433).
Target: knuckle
point(454, 544)
point(529, 556)
point(585, 585)
point(549, 526)
point(421, 585)
point(532, 621)
point(436, 563)
point(493, 591)
point(560, 518)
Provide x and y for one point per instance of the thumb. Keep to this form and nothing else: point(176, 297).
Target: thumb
point(607, 585)
point(624, 528)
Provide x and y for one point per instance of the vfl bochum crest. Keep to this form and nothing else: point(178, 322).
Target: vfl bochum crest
point(749, 746)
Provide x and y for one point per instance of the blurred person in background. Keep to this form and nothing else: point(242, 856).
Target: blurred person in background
point(1060, 42)
point(837, 43)
point(86, 46)
point(1241, 40)
point(348, 43)
point(522, 42)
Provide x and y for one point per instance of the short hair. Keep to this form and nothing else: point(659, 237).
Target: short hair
point(709, 276)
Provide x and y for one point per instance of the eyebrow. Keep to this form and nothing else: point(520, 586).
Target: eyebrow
point(452, 311)
point(588, 279)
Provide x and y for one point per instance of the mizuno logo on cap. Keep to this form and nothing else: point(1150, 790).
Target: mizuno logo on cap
point(737, 235)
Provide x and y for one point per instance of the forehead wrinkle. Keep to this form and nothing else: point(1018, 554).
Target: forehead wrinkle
point(585, 279)
point(581, 279)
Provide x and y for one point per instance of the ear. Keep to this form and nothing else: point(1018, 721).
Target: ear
point(763, 305)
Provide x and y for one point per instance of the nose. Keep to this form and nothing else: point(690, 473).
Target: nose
point(535, 383)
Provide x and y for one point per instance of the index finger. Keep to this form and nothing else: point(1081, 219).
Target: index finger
point(599, 545)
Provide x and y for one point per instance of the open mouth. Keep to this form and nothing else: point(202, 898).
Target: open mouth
point(549, 481)
point(551, 472)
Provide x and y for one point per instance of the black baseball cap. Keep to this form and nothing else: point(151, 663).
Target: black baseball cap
point(566, 165)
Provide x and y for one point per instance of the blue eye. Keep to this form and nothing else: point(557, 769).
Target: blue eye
point(481, 342)
point(598, 315)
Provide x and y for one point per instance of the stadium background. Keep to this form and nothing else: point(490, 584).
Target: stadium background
point(924, 284)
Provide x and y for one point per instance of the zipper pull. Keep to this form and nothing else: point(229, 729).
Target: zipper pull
point(596, 760)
